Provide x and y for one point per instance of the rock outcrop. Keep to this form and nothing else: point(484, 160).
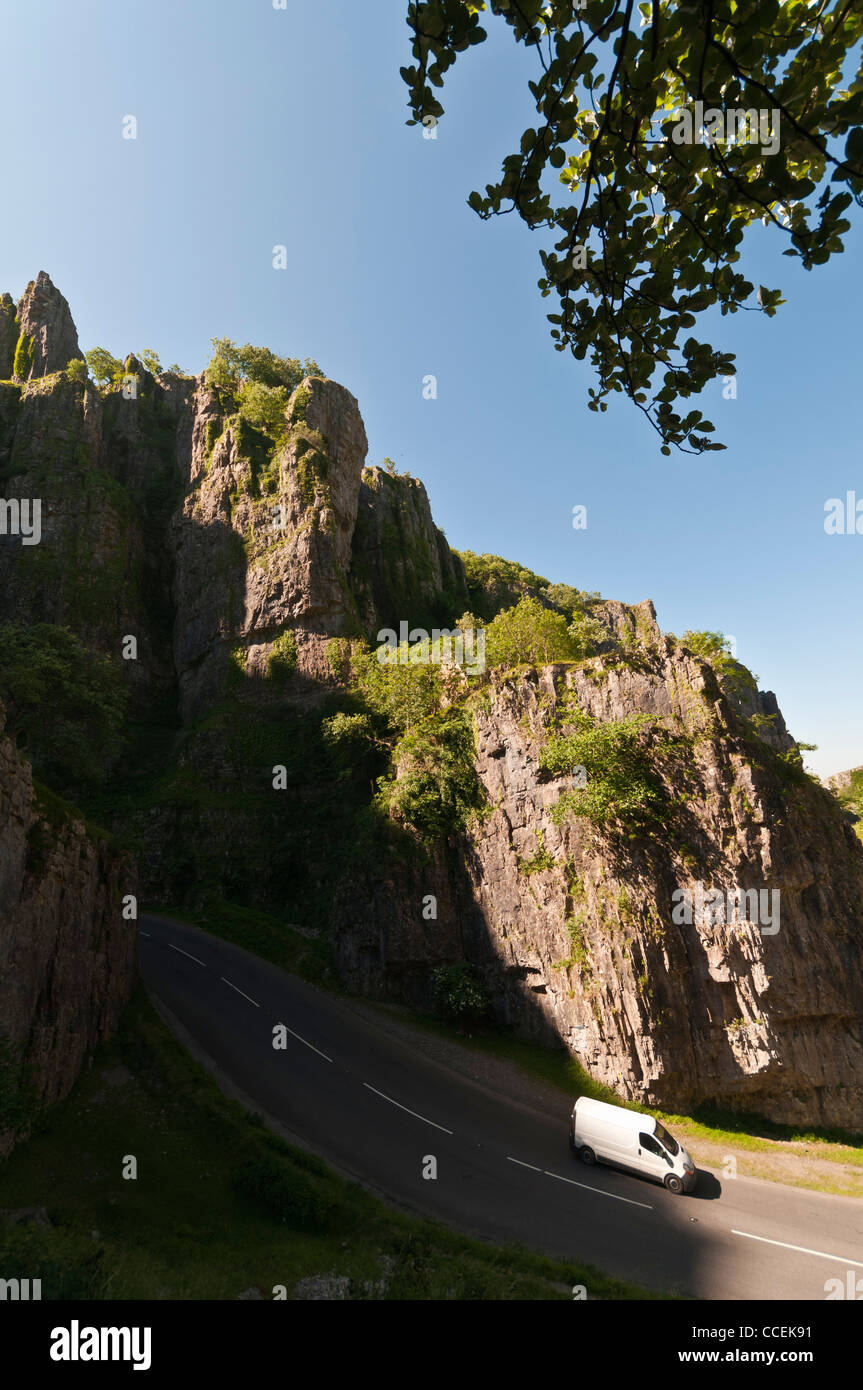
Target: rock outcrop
point(236, 553)
point(276, 531)
point(572, 928)
point(67, 957)
point(46, 331)
point(8, 335)
point(402, 566)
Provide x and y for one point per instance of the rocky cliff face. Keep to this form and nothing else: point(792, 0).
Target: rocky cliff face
point(235, 561)
point(572, 929)
point(47, 336)
point(67, 957)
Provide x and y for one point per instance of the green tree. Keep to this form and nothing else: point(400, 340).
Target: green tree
point(230, 366)
point(351, 740)
point(649, 217)
point(104, 366)
point(76, 369)
point(46, 668)
point(528, 633)
point(715, 647)
point(400, 690)
point(265, 407)
point(150, 362)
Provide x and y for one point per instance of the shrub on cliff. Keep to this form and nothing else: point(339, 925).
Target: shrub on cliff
point(438, 791)
point(76, 369)
point(529, 633)
point(351, 740)
point(46, 668)
point(231, 366)
point(104, 366)
point(283, 657)
point(620, 782)
point(715, 648)
point(401, 692)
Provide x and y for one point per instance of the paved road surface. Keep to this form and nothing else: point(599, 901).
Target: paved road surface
point(376, 1106)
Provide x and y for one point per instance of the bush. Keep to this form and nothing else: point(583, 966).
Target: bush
point(264, 407)
point(350, 738)
point(230, 366)
point(150, 362)
point(457, 992)
point(283, 657)
point(528, 634)
point(494, 584)
point(733, 676)
point(285, 1191)
point(76, 369)
point(438, 792)
point(620, 785)
point(46, 668)
point(23, 357)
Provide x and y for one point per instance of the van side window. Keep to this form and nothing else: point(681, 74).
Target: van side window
point(648, 1142)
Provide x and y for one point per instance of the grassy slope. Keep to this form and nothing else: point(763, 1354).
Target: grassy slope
point(183, 1230)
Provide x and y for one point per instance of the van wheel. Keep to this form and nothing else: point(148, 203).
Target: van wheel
point(673, 1183)
point(587, 1155)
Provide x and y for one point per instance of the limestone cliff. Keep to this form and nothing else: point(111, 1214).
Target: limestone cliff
point(67, 957)
point(571, 928)
point(246, 556)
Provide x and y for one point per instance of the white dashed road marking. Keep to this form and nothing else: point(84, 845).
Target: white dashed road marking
point(307, 1044)
point(613, 1195)
point(239, 991)
point(840, 1259)
point(404, 1107)
point(186, 954)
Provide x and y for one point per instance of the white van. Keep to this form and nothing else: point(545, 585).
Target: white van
point(609, 1134)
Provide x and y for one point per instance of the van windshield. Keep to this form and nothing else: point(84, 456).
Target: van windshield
point(667, 1140)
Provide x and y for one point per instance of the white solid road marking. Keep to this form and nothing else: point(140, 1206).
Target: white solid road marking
point(239, 991)
point(840, 1259)
point(186, 954)
point(307, 1044)
point(613, 1195)
point(523, 1165)
point(404, 1107)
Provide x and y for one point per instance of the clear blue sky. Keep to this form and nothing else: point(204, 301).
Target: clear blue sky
point(258, 126)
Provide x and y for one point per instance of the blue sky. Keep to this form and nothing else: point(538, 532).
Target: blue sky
point(259, 127)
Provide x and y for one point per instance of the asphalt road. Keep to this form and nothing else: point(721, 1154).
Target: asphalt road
point(377, 1106)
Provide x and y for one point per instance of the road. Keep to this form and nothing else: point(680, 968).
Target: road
point(377, 1107)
